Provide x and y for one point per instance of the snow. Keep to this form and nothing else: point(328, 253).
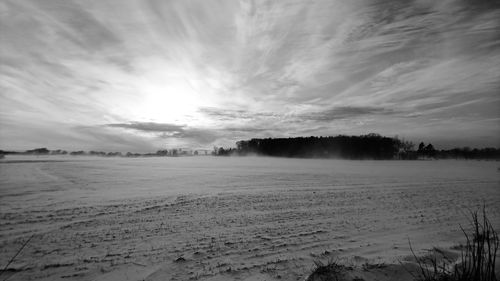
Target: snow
point(226, 218)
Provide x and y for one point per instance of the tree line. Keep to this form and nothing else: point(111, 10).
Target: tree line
point(164, 152)
point(371, 146)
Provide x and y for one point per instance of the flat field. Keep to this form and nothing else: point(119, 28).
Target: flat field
point(225, 218)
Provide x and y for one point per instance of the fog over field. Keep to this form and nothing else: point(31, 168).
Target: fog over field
point(227, 218)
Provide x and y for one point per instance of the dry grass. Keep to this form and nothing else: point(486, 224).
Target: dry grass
point(329, 271)
point(5, 269)
point(477, 260)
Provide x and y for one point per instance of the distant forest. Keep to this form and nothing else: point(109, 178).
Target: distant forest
point(371, 146)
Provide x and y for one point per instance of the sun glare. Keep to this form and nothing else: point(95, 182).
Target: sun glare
point(168, 103)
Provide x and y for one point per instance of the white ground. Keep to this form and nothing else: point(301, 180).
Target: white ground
point(222, 218)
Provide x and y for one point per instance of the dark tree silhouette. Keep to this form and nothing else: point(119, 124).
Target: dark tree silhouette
point(371, 146)
point(162, 152)
point(421, 147)
point(38, 151)
point(429, 151)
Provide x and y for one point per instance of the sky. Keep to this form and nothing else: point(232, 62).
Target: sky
point(143, 75)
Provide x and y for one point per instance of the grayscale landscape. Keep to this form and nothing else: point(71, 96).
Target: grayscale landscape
point(251, 140)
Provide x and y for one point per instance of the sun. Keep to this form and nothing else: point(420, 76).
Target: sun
point(169, 102)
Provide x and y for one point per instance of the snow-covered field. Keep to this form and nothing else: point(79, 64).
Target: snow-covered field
point(206, 218)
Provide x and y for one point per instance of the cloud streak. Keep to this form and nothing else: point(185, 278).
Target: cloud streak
point(346, 112)
point(148, 127)
point(196, 136)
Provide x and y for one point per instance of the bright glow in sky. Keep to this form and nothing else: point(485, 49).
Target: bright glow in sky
point(130, 75)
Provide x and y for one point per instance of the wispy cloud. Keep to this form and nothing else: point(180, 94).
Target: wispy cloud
point(210, 72)
point(149, 127)
point(231, 114)
point(345, 112)
point(197, 136)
